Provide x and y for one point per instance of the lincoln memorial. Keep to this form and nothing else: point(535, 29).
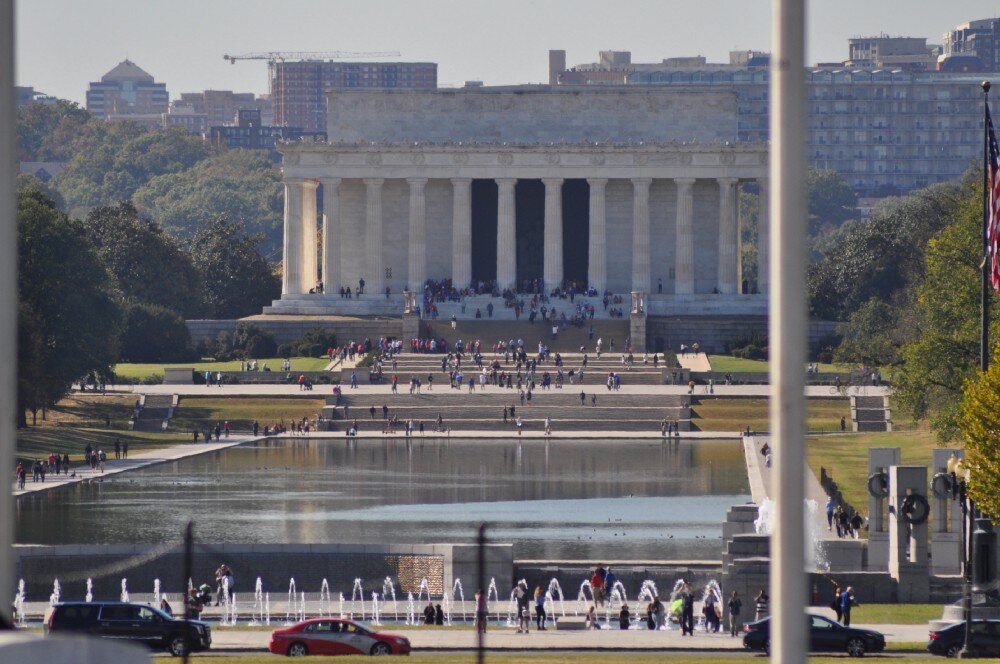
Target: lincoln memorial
point(627, 190)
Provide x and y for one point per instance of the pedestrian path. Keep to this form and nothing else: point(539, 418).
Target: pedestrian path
point(697, 362)
point(112, 467)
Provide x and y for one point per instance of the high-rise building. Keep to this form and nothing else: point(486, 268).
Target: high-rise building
point(248, 131)
point(887, 131)
point(221, 106)
point(975, 39)
point(126, 91)
point(884, 52)
point(298, 87)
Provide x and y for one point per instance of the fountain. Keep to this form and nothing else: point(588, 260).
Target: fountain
point(492, 592)
point(124, 595)
point(302, 607)
point(290, 611)
point(257, 613)
point(340, 600)
point(446, 608)
point(19, 603)
point(411, 610)
point(325, 605)
point(389, 590)
point(554, 589)
point(89, 597)
point(228, 604)
point(424, 588)
point(358, 594)
point(711, 586)
point(267, 608)
point(156, 592)
point(815, 556)
point(376, 616)
point(457, 588)
point(581, 597)
point(617, 591)
point(56, 592)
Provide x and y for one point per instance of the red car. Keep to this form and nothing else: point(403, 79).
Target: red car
point(335, 636)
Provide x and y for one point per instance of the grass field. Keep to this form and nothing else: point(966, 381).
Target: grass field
point(895, 614)
point(574, 658)
point(199, 412)
point(736, 414)
point(728, 363)
point(846, 457)
point(141, 371)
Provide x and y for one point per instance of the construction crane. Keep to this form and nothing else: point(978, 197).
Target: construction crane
point(274, 56)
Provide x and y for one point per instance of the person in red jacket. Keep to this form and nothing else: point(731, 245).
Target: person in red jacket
point(597, 585)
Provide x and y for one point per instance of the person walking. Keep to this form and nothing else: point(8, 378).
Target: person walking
point(481, 612)
point(760, 605)
point(711, 611)
point(846, 602)
point(735, 607)
point(687, 612)
point(836, 603)
point(539, 608)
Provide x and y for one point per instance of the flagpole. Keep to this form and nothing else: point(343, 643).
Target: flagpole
point(984, 342)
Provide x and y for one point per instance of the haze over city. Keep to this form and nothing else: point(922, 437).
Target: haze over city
point(64, 44)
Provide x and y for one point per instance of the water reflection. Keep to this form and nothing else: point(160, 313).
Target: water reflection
point(553, 499)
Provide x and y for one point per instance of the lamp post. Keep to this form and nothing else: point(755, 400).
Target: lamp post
point(959, 491)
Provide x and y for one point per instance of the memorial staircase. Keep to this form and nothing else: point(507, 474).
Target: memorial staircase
point(154, 412)
point(870, 413)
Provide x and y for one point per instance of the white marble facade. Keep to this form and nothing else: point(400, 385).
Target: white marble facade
point(396, 177)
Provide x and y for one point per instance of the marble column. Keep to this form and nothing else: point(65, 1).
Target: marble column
point(417, 272)
point(506, 234)
point(291, 254)
point(331, 235)
point(684, 240)
point(375, 274)
point(640, 234)
point(728, 240)
point(763, 237)
point(552, 271)
point(597, 262)
point(310, 243)
point(461, 228)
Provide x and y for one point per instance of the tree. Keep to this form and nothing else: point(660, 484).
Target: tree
point(69, 317)
point(240, 184)
point(45, 131)
point(113, 159)
point(831, 200)
point(943, 352)
point(980, 427)
point(869, 336)
point(154, 334)
point(237, 280)
point(150, 266)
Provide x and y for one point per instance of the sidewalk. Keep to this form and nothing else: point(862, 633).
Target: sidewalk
point(112, 467)
point(694, 361)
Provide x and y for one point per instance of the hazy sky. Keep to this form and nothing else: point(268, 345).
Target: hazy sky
point(65, 44)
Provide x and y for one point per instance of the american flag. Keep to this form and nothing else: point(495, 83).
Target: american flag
point(993, 219)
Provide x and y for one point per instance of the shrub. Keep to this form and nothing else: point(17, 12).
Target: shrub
point(310, 349)
point(154, 334)
point(318, 336)
point(154, 379)
point(824, 357)
point(285, 350)
point(222, 351)
point(260, 345)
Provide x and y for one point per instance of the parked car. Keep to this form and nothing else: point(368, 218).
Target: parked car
point(134, 622)
point(948, 641)
point(825, 635)
point(335, 636)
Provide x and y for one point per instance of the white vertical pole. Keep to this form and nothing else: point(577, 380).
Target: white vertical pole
point(8, 306)
point(788, 329)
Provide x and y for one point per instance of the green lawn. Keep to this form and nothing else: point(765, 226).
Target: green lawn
point(141, 371)
point(846, 457)
point(895, 614)
point(728, 363)
point(735, 414)
point(199, 412)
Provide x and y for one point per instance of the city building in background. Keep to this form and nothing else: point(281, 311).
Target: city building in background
point(298, 87)
point(127, 92)
point(886, 130)
point(972, 44)
point(26, 94)
point(221, 106)
point(885, 52)
point(248, 132)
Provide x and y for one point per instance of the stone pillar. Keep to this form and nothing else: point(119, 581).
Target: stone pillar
point(552, 271)
point(946, 545)
point(291, 254)
point(375, 281)
point(728, 240)
point(331, 234)
point(908, 541)
point(461, 228)
point(763, 237)
point(506, 234)
point(879, 460)
point(640, 234)
point(684, 242)
point(597, 262)
point(417, 272)
point(310, 245)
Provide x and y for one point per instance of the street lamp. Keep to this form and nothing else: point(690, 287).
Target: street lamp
point(960, 474)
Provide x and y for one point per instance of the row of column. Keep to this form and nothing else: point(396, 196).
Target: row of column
point(299, 254)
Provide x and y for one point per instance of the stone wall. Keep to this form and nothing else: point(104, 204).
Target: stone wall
point(532, 114)
point(289, 328)
point(713, 332)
